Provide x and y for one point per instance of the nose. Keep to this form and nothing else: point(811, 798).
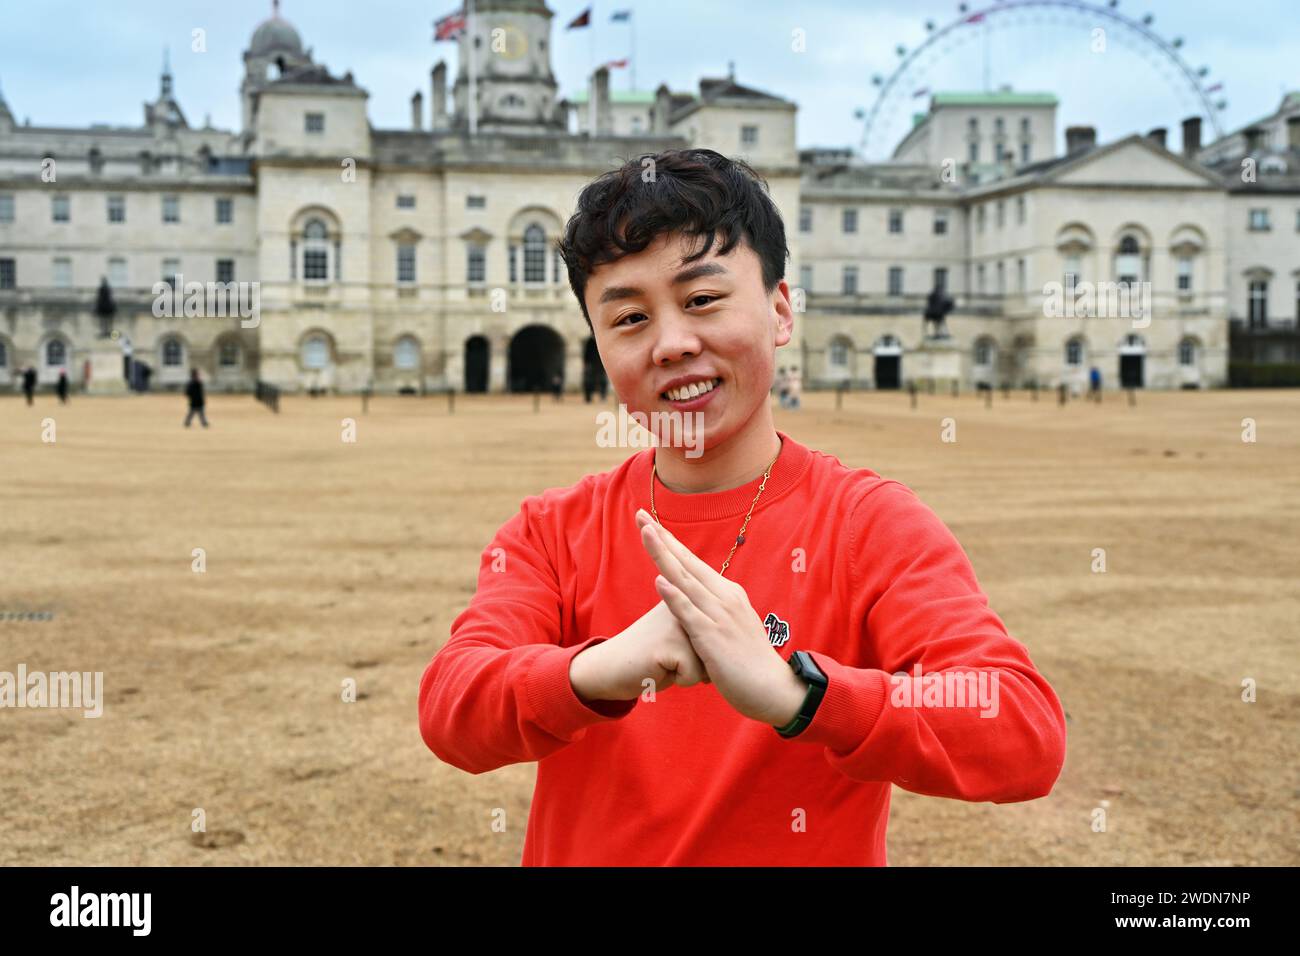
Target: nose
point(676, 339)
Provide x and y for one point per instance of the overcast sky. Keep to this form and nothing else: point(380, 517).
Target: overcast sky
point(76, 62)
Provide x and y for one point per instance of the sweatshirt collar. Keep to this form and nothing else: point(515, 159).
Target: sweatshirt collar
point(790, 468)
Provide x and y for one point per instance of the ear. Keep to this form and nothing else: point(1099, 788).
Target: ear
point(783, 313)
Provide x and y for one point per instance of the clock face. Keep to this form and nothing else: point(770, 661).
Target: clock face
point(509, 42)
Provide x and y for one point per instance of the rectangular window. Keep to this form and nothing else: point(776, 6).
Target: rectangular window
point(476, 202)
point(1184, 273)
point(973, 152)
point(8, 275)
point(170, 269)
point(225, 270)
point(940, 222)
point(6, 207)
point(999, 126)
point(60, 209)
point(895, 220)
point(1002, 279)
point(406, 262)
point(979, 219)
point(805, 218)
point(117, 273)
point(476, 265)
point(63, 273)
point(1072, 265)
point(850, 280)
point(1259, 220)
point(1020, 276)
point(171, 209)
point(117, 209)
point(315, 123)
point(1002, 213)
point(1020, 210)
point(225, 211)
point(1024, 125)
point(405, 202)
point(1024, 152)
point(941, 279)
point(979, 279)
point(805, 278)
point(895, 280)
point(849, 221)
point(1258, 304)
point(749, 135)
point(315, 264)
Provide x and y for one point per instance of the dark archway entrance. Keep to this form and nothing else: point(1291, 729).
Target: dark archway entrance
point(1130, 371)
point(887, 371)
point(536, 357)
point(477, 352)
point(593, 371)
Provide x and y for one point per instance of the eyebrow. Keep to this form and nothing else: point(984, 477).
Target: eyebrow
point(616, 292)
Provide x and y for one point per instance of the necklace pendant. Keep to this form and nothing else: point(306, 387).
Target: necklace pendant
point(740, 539)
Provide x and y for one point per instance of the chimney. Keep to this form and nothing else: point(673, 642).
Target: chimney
point(1191, 136)
point(438, 106)
point(1254, 139)
point(1159, 136)
point(664, 106)
point(1080, 138)
point(417, 111)
point(1293, 132)
point(600, 95)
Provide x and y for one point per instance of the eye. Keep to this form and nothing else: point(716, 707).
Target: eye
point(630, 315)
point(702, 295)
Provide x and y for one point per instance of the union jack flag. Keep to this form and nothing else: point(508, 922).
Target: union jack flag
point(449, 27)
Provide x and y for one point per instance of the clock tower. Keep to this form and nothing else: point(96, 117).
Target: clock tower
point(515, 88)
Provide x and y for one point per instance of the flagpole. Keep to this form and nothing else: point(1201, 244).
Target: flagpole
point(473, 65)
point(631, 22)
point(591, 82)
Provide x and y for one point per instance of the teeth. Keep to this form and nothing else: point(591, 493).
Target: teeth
point(694, 390)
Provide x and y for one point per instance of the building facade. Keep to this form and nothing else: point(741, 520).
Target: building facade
point(425, 258)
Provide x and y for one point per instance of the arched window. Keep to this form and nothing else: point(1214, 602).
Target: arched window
point(228, 355)
point(1074, 352)
point(406, 353)
point(56, 352)
point(315, 352)
point(1187, 352)
point(173, 353)
point(315, 252)
point(1128, 246)
point(534, 254)
point(1128, 263)
point(984, 352)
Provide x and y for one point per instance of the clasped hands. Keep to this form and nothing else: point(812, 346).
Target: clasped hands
point(703, 631)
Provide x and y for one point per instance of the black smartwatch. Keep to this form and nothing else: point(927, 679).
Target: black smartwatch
point(802, 663)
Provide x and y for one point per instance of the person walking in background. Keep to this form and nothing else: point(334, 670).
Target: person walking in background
point(794, 387)
point(29, 383)
point(1094, 384)
point(194, 392)
point(62, 387)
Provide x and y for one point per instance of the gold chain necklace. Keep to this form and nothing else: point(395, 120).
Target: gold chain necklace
point(740, 538)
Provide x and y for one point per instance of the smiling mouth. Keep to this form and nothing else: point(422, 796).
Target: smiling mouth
point(690, 392)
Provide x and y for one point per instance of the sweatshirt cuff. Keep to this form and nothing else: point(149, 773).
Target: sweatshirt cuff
point(854, 700)
point(556, 706)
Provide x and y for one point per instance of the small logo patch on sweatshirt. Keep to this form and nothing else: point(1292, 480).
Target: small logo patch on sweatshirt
point(778, 631)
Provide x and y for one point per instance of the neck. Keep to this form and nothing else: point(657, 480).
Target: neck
point(735, 462)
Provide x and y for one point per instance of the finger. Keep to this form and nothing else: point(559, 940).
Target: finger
point(672, 569)
point(692, 563)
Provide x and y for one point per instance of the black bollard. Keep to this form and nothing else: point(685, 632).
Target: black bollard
point(1132, 397)
point(954, 388)
point(988, 396)
point(1060, 392)
point(537, 400)
point(365, 401)
point(911, 390)
point(451, 401)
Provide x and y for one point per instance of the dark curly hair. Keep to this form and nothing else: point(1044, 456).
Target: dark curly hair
point(697, 192)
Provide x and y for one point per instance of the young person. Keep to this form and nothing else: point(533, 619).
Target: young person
point(703, 652)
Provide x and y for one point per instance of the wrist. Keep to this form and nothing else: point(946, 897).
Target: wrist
point(793, 692)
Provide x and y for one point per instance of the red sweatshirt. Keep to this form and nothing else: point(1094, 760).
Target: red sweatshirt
point(854, 568)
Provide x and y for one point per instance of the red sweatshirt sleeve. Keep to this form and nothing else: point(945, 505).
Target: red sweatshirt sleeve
point(916, 600)
point(498, 691)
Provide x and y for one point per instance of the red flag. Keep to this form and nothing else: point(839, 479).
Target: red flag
point(1214, 88)
point(617, 63)
point(975, 18)
point(449, 27)
point(581, 20)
